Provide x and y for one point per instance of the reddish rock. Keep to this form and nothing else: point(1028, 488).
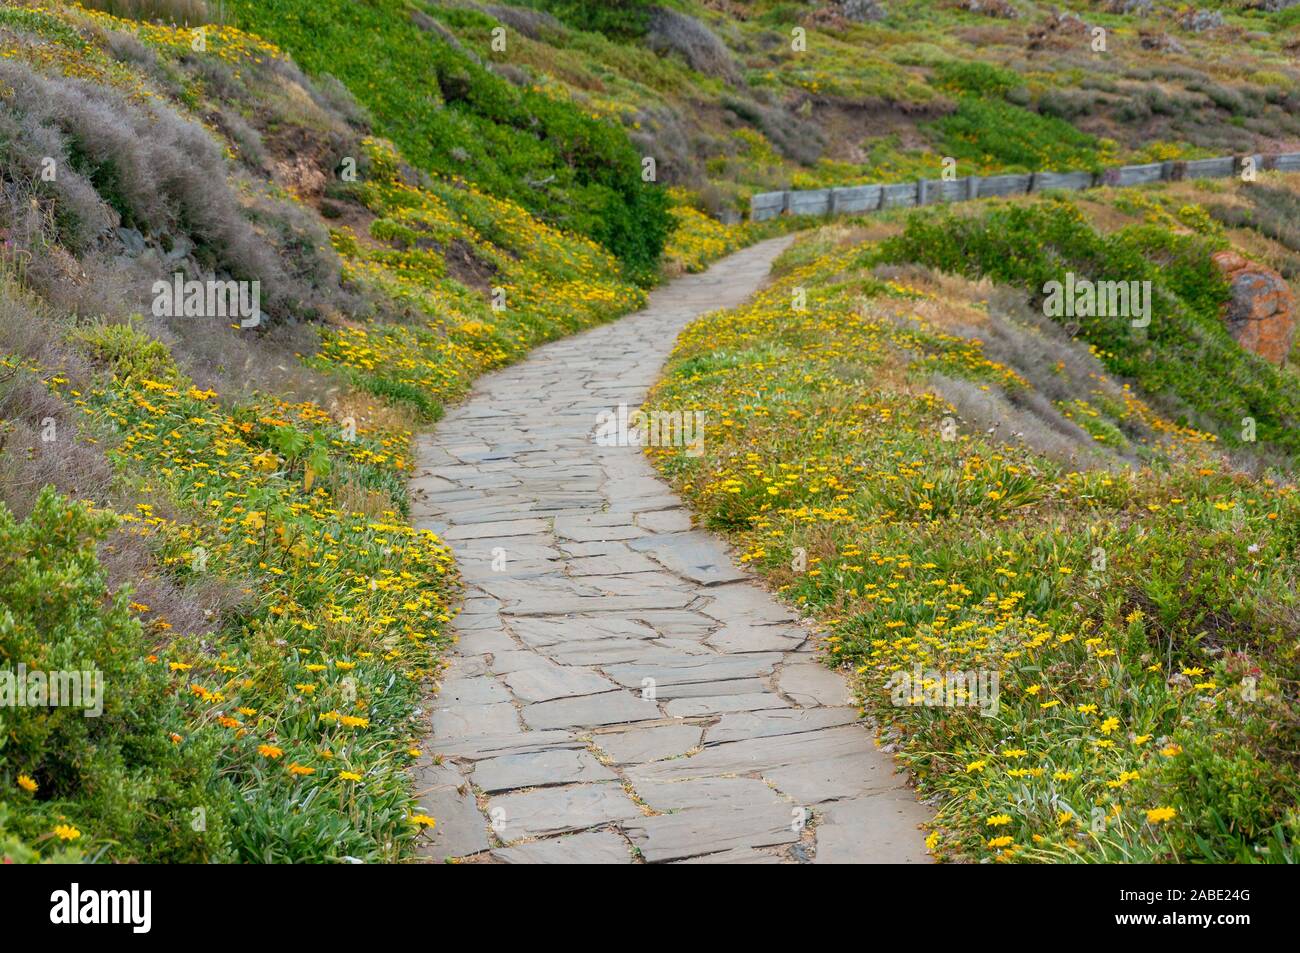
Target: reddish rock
point(1260, 315)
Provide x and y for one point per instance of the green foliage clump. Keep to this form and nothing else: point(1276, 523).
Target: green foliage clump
point(1186, 356)
point(622, 19)
point(976, 78)
point(130, 774)
point(995, 134)
point(129, 352)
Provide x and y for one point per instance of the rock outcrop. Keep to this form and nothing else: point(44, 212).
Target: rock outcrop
point(1261, 312)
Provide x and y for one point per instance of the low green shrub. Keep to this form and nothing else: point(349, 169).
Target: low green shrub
point(992, 133)
point(133, 774)
point(1185, 357)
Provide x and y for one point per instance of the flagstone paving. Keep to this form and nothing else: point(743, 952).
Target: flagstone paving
point(621, 691)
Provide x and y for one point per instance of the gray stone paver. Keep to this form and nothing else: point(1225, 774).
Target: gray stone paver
point(620, 689)
point(594, 847)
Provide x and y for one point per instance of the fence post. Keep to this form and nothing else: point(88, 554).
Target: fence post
point(830, 202)
point(921, 192)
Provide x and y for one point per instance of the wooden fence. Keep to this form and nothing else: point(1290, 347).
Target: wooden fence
point(858, 199)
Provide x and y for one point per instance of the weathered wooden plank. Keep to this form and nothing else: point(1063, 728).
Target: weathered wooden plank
point(766, 205)
point(857, 198)
point(810, 202)
point(939, 190)
point(902, 195)
point(1287, 162)
point(1003, 185)
point(1126, 175)
point(1071, 181)
point(1219, 168)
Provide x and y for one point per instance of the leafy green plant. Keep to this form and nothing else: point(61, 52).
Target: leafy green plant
point(976, 78)
point(133, 775)
point(1186, 352)
point(616, 18)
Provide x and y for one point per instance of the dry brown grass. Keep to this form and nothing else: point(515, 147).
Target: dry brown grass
point(351, 497)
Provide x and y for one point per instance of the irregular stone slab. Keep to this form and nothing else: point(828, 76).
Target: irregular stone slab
point(757, 638)
point(476, 572)
point(423, 486)
point(583, 529)
point(739, 794)
point(512, 592)
point(544, 683)
point(842, 776)
point(669, 622)
point(739, 726)
point(665, 521)
point(639, 745)
point(645, 504)
point(559, 810)
point(764, 755)
point(477, 747)
point(693, 554)
point(464, 721)
point(445, 796)
point(656, 582)
point(811, 684)
point(745, 602)
point(483, 640)
point(593, 847)
point(590, 711)
point(732, 686)
point(576, 605)
point(477, 690)
point(496, 511)
point(881, 829)
point(737, 855)
point(668, 837)
point(537, 769)
point(601, 652)
point(536, 632)
point(633, 487)
point(684, 669)
point(583, 550)
point(515, 660)
point(514, 549)
point(715, 704)
point(611, 565)
point(501, 529)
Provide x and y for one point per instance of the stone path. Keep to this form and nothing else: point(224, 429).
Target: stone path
point(620, 690)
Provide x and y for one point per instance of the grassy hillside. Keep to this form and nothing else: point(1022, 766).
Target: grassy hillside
point(732, 98)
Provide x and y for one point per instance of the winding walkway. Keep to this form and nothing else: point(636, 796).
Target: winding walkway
point(620, 690)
